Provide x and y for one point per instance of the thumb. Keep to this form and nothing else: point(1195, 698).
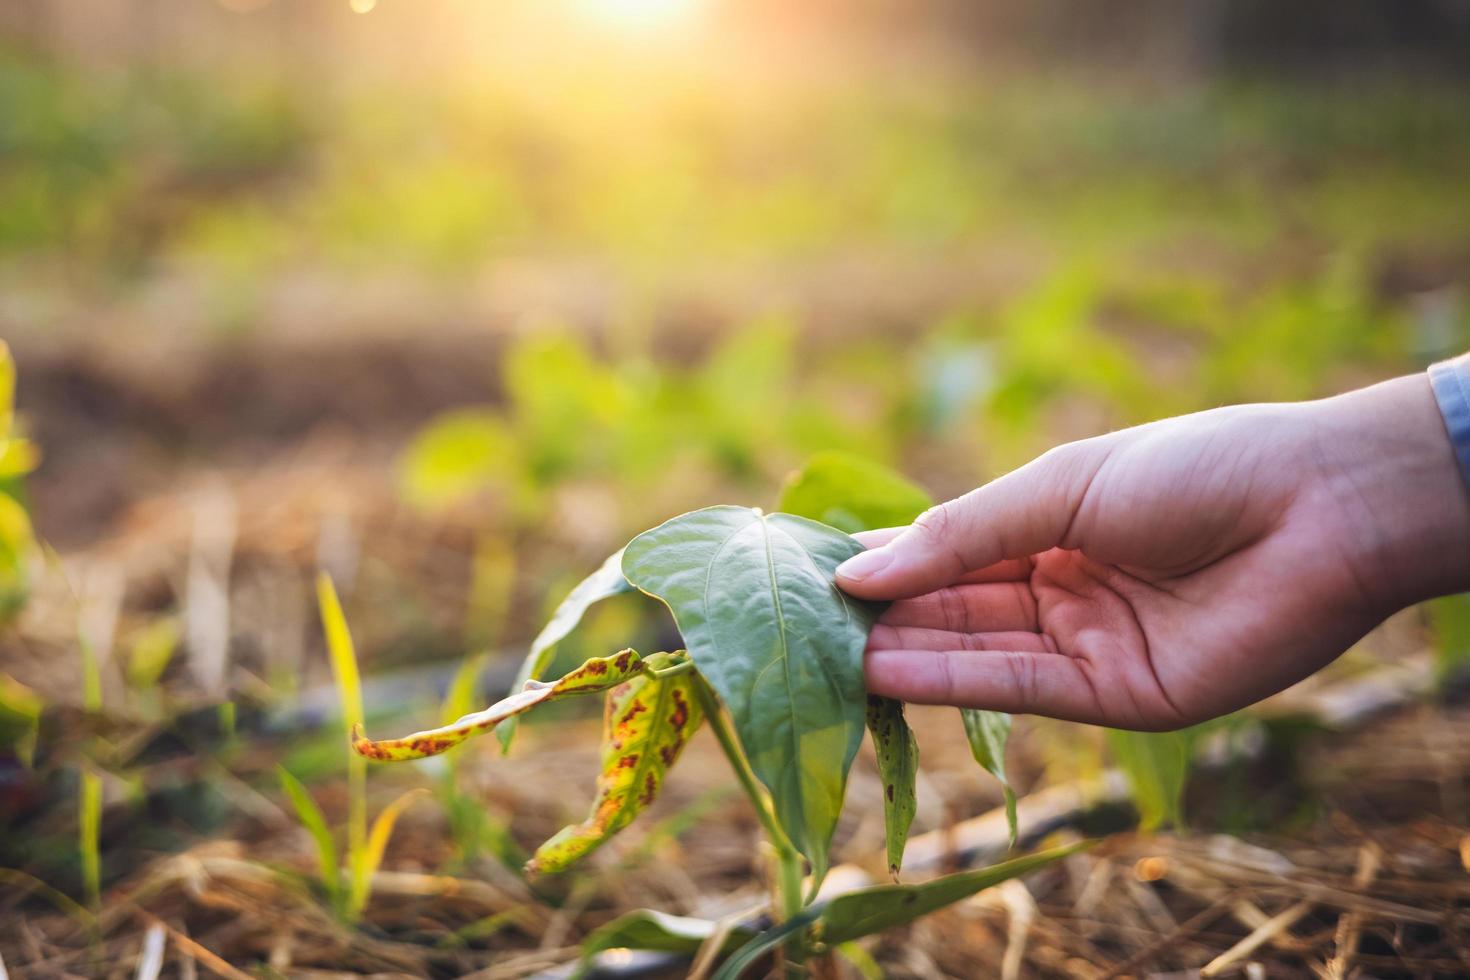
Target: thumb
point(1027, 511)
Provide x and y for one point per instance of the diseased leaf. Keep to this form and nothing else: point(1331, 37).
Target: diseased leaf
point(988, 732)
point(870, 910)
point(597, 674)
point(660, 932)
point(646, 724)
point(756, 600)
point(1157, 766)
point(898, 768)
point(604, 583)
point(852, 494)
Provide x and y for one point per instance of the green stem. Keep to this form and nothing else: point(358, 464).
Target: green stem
point(788, 860)
point(720, 725)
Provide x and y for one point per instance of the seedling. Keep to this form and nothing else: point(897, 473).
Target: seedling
point(773, 663)
point(347, 892)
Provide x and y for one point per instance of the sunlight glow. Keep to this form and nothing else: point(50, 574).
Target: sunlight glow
point(638, 14)
point(362, 6)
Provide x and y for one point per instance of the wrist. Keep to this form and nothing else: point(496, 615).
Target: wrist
point(1394, 472)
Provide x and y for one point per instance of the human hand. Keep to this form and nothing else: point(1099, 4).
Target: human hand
point(1159, 576)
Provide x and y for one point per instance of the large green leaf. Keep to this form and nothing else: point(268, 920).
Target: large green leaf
point(604, 583)
point(988, 732)
point(755, 598)
point(855, 494)
point(646, 724)
point(852, 494)
point(869, 910)
point(1157, 766)
point(898, 768)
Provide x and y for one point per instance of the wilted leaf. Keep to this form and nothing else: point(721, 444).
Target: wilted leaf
point(597, 674)
point(852, 494)
point(755, 598)
point(660, 932)
point(869, 910)
point(898, 768)
point(604, 583)
point(988, 732)
point(647, 722)
point(1156, 765)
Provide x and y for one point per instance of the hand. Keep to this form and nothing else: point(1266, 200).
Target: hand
point(1159, 576)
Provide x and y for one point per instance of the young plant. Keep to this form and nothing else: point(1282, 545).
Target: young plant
point(774, 665)
point(348, 891)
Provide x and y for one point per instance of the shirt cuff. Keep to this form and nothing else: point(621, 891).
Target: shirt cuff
point(1451, 382)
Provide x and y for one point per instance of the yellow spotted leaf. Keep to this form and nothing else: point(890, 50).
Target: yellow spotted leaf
point(646, 724)
point(597, 674)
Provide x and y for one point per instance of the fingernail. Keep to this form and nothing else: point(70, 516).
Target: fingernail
point(865, 563)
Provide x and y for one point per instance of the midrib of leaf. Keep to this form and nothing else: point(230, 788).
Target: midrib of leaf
point(785, 659)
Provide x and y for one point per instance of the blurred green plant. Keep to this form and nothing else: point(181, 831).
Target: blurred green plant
point(18, 456)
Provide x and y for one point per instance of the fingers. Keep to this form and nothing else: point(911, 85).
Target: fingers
point(919, 638)
point(1016, 681)
point(969, 608)
point(1022, 513)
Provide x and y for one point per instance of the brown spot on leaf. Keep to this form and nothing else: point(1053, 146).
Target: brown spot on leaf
point(628, 761)
point(889, 791)
point(680, 715)
point(595, 667)
point(650, 790)
point(634, 710)
point(623, 659)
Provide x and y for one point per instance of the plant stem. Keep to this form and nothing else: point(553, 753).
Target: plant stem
point(731, 746)
point(788, 861)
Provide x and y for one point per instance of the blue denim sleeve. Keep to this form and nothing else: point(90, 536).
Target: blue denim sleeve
point(1451, 382)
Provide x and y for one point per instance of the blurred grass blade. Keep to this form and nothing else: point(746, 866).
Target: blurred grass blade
point(647, 723)
point(748, 955)
point(1449, 617)
point(1157, 767)
point(898, 769)
point(871, 910)
point(604, 583)
point(597, 674)
point(365, 863)
point(860, 960)
point(152, 649)
point(340, 652)
point(315, 822)
point(20, 719)
point(649, 929)
point(988, 732)
point(89, 833)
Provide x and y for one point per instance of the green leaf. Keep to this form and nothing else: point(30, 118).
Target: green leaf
point(20, 719)
point(869, 910)
point(597, 674)
point(852, 494)
point(646, 724)
point(457, 455)
point(1156, 765)
point(898, 768)
point(657, 931)
point(756, 601)
point(988, 732)
point(315, 823)
point(604, 583)
point(746, 956)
